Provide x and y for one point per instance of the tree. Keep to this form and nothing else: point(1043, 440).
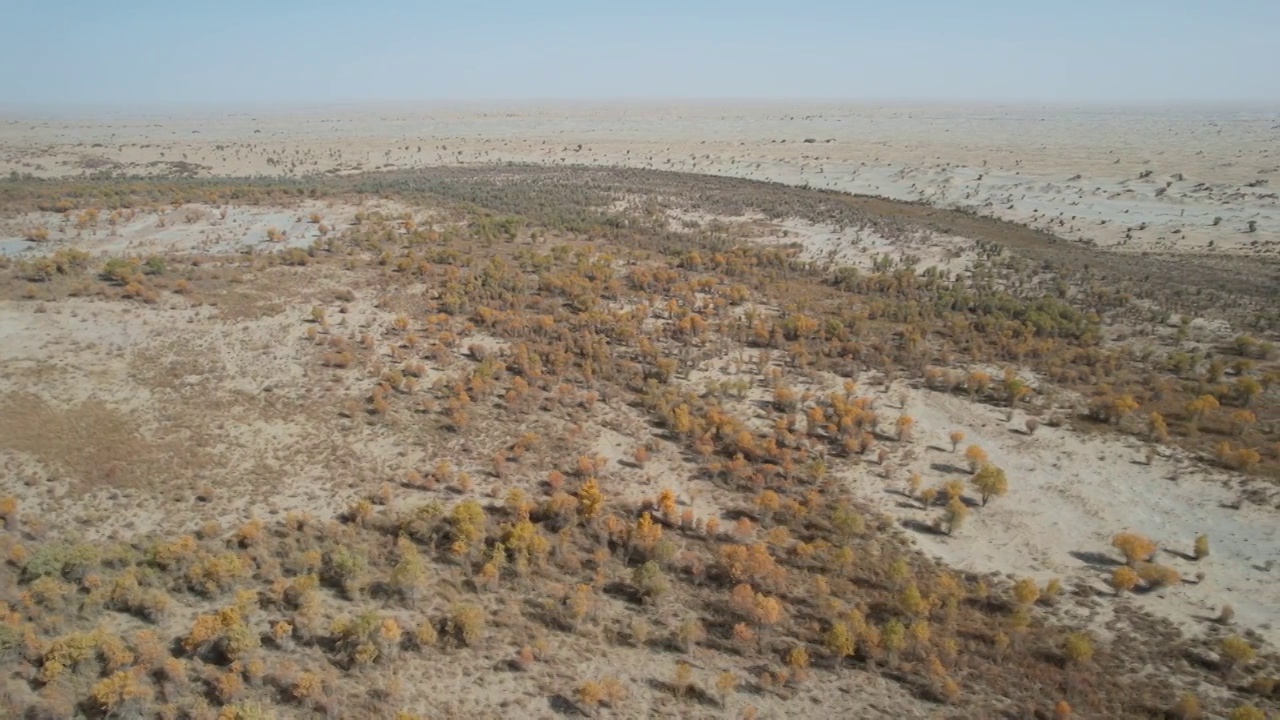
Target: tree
point(976, 457)
point(1201, 405)
point(954, 516)
point(1241, 420)
point(668, 503)
point(1155, 575)
point(591, 694)
point(726, 683)
point(1246, 388)
point(956, 437)
point(649, 580)
point(590, 499)
point(1202, 547)
point(978, 382)
point(690, 633)
point(904, 424)
point(1078, 648)
point(990, 481)
point(1187, 708)
point(1026, 592)
point(1124, 579)
point(894, 637)
point(767, 613)
point(840, 640)
point(1122, 406)
point(953, 489)
point(912, 602)
point(408, 577)
point(1235, 652)
point(927, 496)
point(1159, 428)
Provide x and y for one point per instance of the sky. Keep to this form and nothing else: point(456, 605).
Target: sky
point(279, 52)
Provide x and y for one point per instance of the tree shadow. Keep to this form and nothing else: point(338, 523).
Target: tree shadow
point(922, 527)
point(562, 705)
point(1095, 559)
point(1180, 554)
point(948, 468)
point(690, 692)
point(625, 592)
point(1202, 661)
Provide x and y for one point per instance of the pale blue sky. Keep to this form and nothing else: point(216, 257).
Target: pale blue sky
point(318, 51)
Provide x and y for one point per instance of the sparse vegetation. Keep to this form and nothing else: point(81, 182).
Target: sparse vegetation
point(615, 439)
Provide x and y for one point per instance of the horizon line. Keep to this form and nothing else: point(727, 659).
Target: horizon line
point(63, 105)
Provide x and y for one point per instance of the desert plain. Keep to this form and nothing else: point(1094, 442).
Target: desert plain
point(631, 410)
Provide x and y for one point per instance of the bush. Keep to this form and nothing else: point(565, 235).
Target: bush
point(1202, 547)
point(69, 561)
point(1236, 652)
point(1135, 548)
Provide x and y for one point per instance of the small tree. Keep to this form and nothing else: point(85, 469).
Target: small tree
point(957, 437)
point(649, 580)
point(914, 481)
point(928, 495)
point(1124, 579)
point(690, 633)
point(1026, 592)
point(726, 683)
point(990, 481)
point(904, 424)
point(1187, 708)
point(1078, 648)
point(1197, 408)
point(1159, 428)
point(840, 641)
point(1235, 652)
point(954, 516)
point(1202, 547)
point(976, 456)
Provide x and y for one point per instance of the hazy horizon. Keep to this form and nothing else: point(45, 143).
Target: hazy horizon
point(70, 54)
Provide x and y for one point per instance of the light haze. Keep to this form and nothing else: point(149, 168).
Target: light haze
point(60, 52)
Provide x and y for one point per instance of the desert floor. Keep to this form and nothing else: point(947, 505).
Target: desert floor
point(124, 418)
point(1200, 178)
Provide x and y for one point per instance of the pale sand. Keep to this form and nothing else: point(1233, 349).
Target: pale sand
point(1075, 171)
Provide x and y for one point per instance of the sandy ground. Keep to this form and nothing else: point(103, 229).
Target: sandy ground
point(1135, 178)
point(187, 228)
point(1070, 493)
